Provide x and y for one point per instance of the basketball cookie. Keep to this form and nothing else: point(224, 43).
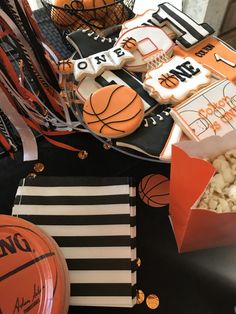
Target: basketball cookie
point(33, 273)
point(60, 16)
point(129, 44)
point(97, 8)
point(154, 190)
point(113, 111)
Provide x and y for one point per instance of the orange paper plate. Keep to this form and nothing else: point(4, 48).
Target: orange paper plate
point(33, 271)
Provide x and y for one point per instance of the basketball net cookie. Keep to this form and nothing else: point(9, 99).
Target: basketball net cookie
point(150, 41)
point(175, 80)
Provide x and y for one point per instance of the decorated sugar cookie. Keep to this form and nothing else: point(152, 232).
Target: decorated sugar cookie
point(145, 19)
point(60, 16)
point(189, 32)
point(175, 80)
point(214, 55)
point(113, 58)
point(209, 112)
point(89, 85)
point(113, 111)
point(150, 41)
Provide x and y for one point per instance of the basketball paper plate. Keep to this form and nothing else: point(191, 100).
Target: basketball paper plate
point(154, 190)
point(33, 272)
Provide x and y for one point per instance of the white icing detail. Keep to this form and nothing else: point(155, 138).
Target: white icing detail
point(102, 39)
point(198, 77)
point(228, 62)
point(94, 65)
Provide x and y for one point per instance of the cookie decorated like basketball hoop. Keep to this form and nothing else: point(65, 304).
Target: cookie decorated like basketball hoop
point(33, 271)
point(150, 43)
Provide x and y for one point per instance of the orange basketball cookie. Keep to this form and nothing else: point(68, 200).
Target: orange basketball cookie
point(60, 16)
point(98, 7)
point(129, 44)
point(113, 111)
point(154, 190)
point(33, 272)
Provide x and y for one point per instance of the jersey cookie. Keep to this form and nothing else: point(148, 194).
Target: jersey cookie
point(175, 80)
point(113, 111)
point(214, 55)
point(189, 32)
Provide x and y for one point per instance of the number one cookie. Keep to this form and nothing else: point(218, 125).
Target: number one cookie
point(190, 33)
point(176, 80)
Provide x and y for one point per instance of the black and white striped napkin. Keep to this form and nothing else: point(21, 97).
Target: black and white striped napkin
point(93, 221)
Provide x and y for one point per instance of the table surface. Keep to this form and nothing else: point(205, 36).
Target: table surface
point(202, 282)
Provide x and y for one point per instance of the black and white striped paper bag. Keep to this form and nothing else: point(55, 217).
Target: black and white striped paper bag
point(93, 221)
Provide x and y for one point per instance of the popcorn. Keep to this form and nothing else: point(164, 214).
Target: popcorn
point(231, 156)
point(220, 195)
point(232, 192)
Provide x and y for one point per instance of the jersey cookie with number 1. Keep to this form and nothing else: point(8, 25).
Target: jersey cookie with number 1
point(214, 55)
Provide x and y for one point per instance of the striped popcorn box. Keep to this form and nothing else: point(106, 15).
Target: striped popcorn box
point(93, 221)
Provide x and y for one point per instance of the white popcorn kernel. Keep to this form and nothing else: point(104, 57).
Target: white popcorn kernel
point(231, 156)
point(232, 192)
point(223, 206)
point(212, 204)
point(218, 183)
point(220, 165)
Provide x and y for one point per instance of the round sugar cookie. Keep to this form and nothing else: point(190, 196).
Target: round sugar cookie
point(154, 190)
point(62, 17)
point(113, 111)
point(33, 271)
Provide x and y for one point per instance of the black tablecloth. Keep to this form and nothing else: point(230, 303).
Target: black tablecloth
point(202, 282)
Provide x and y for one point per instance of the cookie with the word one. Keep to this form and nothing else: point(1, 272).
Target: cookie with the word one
point(176, 80)
point(33, 272)
point(113, 111)
point(154, 190)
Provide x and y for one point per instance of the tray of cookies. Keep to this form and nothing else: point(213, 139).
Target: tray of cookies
point(167, 60)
